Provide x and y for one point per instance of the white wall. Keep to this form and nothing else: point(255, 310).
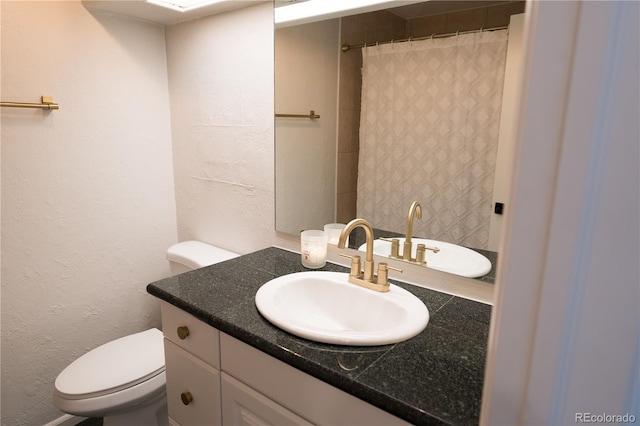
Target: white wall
point(87, 191)
point(222, 119)
point(306, 65)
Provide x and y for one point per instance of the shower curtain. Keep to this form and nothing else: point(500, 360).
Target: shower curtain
point(429, 129)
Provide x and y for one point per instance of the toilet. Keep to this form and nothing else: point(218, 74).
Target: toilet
point(124, 380)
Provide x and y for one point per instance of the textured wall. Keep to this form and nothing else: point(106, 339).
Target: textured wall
point(221, 89)
point(87, 191)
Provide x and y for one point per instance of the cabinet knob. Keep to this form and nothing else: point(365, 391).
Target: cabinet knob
point(183, 332)
point(186, 398)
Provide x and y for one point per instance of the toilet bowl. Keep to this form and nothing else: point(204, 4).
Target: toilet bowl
point(125, 375)
point(124, 380)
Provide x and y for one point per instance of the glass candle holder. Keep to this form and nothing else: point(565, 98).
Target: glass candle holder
point(313, 249)
point(333, 231)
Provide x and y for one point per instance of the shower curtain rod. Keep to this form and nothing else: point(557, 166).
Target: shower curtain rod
point(346, 47)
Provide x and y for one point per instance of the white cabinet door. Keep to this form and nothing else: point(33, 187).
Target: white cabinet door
point(193, 388)
point(243, 406)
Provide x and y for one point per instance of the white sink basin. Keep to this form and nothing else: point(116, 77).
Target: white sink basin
point(325, 307)
point(451, 258)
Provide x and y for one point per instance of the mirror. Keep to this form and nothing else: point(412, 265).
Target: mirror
point(317, 159)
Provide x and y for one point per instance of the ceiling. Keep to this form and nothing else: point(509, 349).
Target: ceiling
point(149, 11)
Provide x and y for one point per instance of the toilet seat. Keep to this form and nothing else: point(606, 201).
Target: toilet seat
point(115, 366)
point(143, 393)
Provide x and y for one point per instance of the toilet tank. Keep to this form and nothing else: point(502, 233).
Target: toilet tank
point(189, 255)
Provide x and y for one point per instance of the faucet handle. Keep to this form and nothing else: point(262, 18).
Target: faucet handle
point(383, 273)
point(395, 247)
point(355, 265)
point(420, 255)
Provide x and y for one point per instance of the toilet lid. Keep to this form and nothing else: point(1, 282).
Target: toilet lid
point(114, 366)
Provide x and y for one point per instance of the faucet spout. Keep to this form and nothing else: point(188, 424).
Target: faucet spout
point(414, 210)
point(368, 231)
point(367, 279)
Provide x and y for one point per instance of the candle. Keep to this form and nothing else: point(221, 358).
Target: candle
point(313, 249)
point(333, 231)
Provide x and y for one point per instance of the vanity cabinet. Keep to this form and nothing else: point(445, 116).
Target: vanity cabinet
point(215, 379)
point(192, 366)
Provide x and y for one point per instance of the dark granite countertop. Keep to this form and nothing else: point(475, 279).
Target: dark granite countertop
point(433, 378)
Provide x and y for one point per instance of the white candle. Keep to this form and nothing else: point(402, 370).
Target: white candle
point(313, 249)
point(333, 231)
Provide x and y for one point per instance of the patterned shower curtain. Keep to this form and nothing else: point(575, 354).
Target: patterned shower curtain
point(429, 133)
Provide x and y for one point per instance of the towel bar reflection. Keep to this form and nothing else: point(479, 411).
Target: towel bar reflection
point(46, 103)
point(312, 115)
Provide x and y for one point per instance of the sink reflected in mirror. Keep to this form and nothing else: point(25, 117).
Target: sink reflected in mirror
point(450, 258)
point(324, 307)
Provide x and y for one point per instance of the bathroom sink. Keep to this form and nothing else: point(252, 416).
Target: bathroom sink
point(325, 307)
point(451, 258)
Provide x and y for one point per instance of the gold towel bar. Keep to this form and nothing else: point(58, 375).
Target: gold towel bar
point(47, 103)
point(312, 114)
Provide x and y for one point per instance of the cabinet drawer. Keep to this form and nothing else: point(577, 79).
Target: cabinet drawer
point(193, 388)
point(201, 339)
point(243, 406)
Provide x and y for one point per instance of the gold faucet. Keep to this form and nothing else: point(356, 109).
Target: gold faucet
point(414, 210)
point(366, 279)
